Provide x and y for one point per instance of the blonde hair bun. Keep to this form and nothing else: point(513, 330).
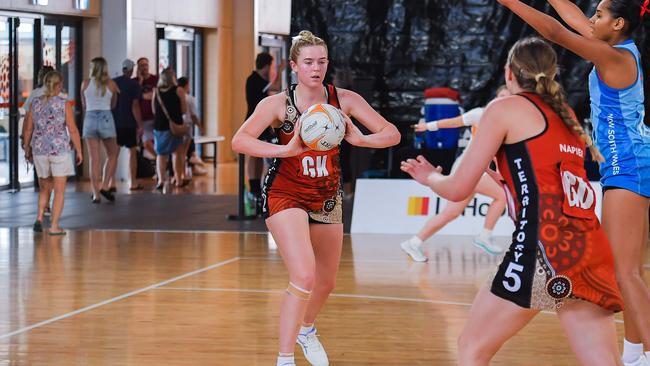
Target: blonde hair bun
point(304, 39)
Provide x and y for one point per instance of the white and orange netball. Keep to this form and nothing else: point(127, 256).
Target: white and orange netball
point(322, 127)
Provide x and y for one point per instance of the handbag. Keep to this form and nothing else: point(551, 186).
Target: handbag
point(175, 128)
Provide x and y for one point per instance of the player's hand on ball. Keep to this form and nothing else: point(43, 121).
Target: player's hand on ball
point(353, 134)
point(420, 169)
point(295, 146)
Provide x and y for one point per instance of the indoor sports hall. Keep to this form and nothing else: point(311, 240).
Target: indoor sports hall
point(324, 182)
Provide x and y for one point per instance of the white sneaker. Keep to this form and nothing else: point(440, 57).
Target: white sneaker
point(414, 251)
point(487, 244)
point(285, 363)
point(312, 348)
point(641, 361)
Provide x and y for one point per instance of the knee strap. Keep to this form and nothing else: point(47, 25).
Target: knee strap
point(298, 292)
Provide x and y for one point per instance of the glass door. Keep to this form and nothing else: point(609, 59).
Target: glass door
point(17, 45)
point(177, 48)
point(26, 45)
point(185, 60)
point(4, 101)
point(276, 46)
point(61, 51)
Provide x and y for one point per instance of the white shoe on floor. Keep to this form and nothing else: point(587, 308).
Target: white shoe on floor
point(414, 251)
point(288, 362)
point(312, 348)
point(641, 361)
point(487, 244)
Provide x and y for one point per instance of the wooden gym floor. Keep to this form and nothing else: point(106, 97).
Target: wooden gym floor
point(212, 298)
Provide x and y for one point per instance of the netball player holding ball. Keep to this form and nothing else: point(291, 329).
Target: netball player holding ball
point(302, 190)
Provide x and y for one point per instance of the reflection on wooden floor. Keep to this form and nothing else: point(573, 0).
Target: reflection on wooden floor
point(224, 182)
point(142, 298)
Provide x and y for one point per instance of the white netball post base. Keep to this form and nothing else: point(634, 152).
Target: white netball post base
point(381, 206)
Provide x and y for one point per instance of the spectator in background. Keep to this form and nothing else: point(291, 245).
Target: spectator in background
point(169, 101)
point(128, 120)
point(49, 129)
point(259, 85)
point(190, 118)
point(147, 83)
point(98, 98)
point(37, 93)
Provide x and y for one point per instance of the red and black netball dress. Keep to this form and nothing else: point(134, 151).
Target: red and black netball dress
point(558, 251)
point(310, 181)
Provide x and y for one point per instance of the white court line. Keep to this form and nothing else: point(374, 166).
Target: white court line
point(355, 260)
point(172, 231)
point(352, 296)
point(278, 292)
point(118, 298)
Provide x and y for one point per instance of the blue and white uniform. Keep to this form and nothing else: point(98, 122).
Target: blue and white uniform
point(619, 132)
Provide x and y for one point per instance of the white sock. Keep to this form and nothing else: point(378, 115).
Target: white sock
point(631, 351)
point(485, 233)
point(305, 330)
point(284, 358)
point(415, 241)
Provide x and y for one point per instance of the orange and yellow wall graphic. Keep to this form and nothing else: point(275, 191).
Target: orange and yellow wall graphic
point(418, 206)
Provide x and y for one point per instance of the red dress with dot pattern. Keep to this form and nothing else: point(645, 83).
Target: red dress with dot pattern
point(310, 181)
point(559, 249)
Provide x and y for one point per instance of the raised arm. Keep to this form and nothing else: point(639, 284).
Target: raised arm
point(470, 118)
point(268, 111)
point(461, 184)
point(383, 133)
point(599, 52)
point(573, 16)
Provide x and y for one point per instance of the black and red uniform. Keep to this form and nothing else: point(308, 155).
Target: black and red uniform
point(310, 181)
point(558, 248)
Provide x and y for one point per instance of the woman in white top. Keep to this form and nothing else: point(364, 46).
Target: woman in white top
point(486, 186)
point(98, 98)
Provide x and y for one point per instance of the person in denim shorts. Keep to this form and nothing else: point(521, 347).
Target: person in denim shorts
point(98, 97)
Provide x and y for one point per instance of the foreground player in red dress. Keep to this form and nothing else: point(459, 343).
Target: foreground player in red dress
point(560, 257)
point(302, 190)
point(619, 114)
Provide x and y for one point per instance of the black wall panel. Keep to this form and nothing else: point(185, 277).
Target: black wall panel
point(391, 50)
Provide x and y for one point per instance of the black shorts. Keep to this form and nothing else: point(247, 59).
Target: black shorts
point(127, 137)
